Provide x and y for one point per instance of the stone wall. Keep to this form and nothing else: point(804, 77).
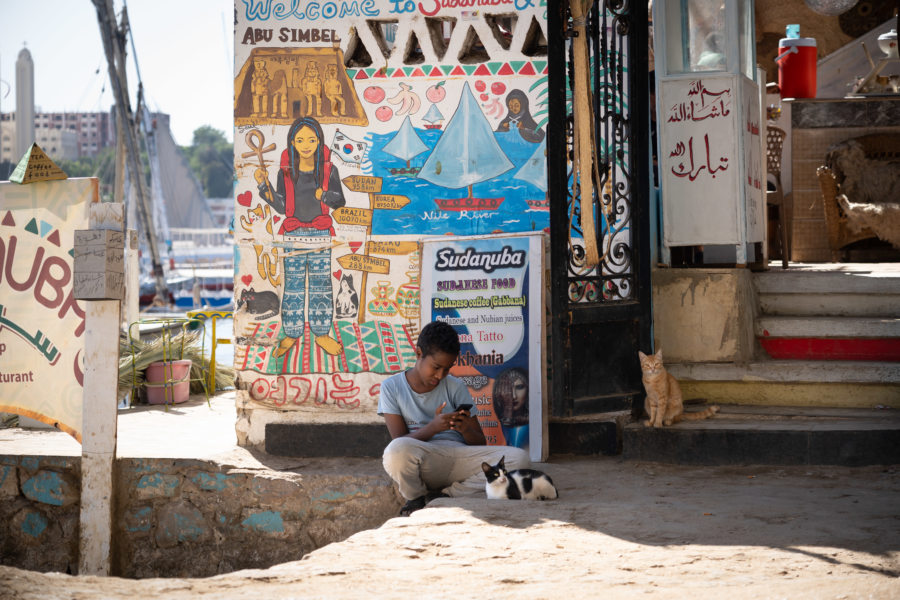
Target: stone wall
point(704, 315)
point(190, 518)
point(39, 512)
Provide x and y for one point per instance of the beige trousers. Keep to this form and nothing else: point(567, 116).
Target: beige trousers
point(442, 465)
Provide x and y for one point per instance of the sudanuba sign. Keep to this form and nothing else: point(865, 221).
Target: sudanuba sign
point(490, 290)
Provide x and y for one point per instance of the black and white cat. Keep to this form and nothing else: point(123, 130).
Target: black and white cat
point(263, 304)
point(519, 484)
point(347, 301)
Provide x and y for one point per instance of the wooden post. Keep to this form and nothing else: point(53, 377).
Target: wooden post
point(132, 284)
point(101, 375)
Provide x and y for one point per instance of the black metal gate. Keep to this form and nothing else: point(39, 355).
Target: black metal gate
point(600, 314)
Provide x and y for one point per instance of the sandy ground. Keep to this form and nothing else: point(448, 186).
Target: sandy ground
point(619, 530)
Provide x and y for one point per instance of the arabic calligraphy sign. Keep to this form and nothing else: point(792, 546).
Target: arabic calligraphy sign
point(699, 158)
point(700, 105)
point(41, 323)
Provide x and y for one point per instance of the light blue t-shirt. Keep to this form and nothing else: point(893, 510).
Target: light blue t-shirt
point(398, 398)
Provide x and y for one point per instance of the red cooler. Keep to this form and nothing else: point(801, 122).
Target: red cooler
point(797, 67)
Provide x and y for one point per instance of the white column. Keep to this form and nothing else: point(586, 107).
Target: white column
point(98, 438)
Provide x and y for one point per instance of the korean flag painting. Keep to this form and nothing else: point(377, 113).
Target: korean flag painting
point(349, 150)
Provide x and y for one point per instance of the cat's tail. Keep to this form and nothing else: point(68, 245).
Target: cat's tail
point(696, 416)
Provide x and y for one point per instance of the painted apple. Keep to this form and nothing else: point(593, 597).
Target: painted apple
point(480, 86)
point(436, 93)
point(484, 97)
point(498, 87)
point(373, 94)
point(384, 113)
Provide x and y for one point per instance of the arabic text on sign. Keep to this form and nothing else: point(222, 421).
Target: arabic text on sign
point(693, 171)
point(706, 105)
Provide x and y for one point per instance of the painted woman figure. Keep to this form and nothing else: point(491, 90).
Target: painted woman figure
point(511, 405)
point(519, 117)
point(308, 185)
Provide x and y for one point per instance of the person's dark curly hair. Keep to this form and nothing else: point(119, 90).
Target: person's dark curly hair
point(438, 336)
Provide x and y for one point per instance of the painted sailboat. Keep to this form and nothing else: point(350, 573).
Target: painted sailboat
point(434, 117)
point(405, 145)
point(534, 171)
point(466, 153)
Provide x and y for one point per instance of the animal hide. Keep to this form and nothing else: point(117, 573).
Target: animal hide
point(882, 218)
point(869, 190)
point(866, 180)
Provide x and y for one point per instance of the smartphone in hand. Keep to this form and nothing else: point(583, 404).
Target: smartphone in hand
point(466, 407)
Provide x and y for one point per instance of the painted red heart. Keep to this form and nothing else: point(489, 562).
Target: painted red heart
point(337, 274)
point(275, 219)
point(245, 199)
point(247, 279)
point(354, 246)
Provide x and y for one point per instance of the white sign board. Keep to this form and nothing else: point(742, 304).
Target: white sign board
point(699, 161)
point(490, 290)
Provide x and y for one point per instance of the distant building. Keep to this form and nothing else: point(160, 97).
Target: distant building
point(7, 141)
point(75, 134)
point(93, 130)
point(59, 144)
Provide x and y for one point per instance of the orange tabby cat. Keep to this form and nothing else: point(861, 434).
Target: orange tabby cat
point(663, 404)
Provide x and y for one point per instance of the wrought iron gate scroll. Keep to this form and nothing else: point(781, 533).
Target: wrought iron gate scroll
point(600, 315)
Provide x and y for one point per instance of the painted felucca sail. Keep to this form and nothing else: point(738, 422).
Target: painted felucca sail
point(466, 153)
point(534, 171)
point(405, 145)
point(433, 117)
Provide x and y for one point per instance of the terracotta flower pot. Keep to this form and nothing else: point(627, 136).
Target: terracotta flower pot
point(167, 382)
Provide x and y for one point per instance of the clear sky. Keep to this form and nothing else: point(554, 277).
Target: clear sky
point(184, 51)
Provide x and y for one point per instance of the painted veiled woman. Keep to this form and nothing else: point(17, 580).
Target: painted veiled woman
point(308, 187)
point(518, 118)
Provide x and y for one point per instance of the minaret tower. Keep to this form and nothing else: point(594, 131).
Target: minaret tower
point(24, 103)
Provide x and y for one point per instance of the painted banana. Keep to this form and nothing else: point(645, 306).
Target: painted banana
point(495, 109)
point(409, 101)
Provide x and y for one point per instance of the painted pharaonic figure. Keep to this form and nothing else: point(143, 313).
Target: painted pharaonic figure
point(334, 91)
point(312, 89)
point(308, 188)
point(259, 88)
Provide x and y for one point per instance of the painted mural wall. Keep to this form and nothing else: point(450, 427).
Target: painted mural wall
point(360, 128)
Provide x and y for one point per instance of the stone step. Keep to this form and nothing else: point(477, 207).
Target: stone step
point(829, 278)
point(806, 383)
point(828, 327)
point(834, 304)
point(830, 338)
point(310, 439)
point(599, 433)
point(830, 290)
point(583, 435)
point(791, 371)
point(743, 435)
